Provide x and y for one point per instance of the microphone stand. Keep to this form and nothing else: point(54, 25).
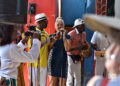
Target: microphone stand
point(31, 66)
point(31, 76)
point(62, 59)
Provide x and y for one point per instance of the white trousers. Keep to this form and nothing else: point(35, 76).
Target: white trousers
point(74, 73)
point(43, 76)
point(99, 67)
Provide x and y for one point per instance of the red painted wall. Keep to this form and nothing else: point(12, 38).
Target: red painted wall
point(49, 8)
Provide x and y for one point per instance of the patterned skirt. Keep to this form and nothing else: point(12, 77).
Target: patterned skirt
point(7, 82)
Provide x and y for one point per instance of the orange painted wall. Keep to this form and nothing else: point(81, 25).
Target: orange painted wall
point(49, 8)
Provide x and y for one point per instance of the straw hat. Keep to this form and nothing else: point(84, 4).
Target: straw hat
point(40, 17)
point(102, 24)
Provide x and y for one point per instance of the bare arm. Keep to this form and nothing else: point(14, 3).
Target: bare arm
point(67, 43)
point(93, 80)
point(52, 42)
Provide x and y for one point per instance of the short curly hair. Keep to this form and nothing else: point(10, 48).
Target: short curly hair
point(6, 32)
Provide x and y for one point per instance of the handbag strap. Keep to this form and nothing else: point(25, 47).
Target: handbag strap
point(104, 82)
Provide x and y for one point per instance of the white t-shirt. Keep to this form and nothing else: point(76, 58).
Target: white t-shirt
point(100, 40)
point(12, 55)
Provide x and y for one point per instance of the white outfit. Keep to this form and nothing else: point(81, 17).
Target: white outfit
point(12, 55)
point(34, 76)
point(99, 67)
point(102, 44)
point(43, 76)
point(74, 73)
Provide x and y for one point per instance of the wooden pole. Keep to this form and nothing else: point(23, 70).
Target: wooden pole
point(59, 8)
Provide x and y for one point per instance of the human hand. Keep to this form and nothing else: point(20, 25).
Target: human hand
point(57, 35)
point(48, 40)
point(113, 52)
point(25, 39)
point(84, 47)
point(36, 35)
point(112, 63)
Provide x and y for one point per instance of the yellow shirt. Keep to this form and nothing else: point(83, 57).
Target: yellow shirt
point(43, 50)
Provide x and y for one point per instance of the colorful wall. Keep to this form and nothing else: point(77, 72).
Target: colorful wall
point(48, 7)
point(44, 6)
point(71, 10)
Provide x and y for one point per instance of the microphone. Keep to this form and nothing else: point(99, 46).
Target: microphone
point(77, 31)
point(62, 32)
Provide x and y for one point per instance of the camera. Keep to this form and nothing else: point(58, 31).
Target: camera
point(32, 28)
point(30, 31)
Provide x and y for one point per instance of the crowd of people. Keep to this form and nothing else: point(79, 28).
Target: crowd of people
point(62, 51)
point(59, 55)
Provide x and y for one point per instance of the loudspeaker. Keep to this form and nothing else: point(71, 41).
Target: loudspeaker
point(13, 11)
point(32, 8)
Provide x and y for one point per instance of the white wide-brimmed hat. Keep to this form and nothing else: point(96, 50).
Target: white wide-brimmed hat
point(40, 17)
point(104, 24)
point(78, 22)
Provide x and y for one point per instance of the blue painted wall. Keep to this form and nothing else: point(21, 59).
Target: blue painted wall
point(88, 63)
point(73, 9)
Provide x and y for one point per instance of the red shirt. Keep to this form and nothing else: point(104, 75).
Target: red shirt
point(75, 41)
